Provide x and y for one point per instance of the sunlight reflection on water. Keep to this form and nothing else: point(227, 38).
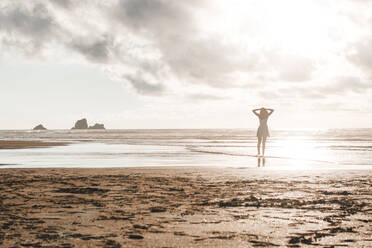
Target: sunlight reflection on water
point(306, 148)
point(114, 148)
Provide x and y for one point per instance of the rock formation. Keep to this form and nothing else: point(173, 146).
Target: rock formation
point(81, 124)
point(97, 126)
point(39, 127)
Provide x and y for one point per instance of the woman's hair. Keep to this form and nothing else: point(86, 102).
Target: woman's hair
point(263, 114)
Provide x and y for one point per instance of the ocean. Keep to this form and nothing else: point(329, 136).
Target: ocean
point(288, 149)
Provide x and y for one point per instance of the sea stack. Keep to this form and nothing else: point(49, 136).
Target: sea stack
point(97, 126)
point(81, 124)
point(39, 127)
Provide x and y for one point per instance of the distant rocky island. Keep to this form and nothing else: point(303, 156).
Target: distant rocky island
point(39, 127)
point(83, 124)
point(80, 124)
point(97, 126)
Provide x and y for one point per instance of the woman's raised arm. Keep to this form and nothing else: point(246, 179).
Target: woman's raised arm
point(254, 112)
point(271, 111)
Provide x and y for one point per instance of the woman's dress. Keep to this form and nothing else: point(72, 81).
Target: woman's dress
point(263, 129)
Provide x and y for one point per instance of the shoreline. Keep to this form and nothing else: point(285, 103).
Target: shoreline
point(183, 207)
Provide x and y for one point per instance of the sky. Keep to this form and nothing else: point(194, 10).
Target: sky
point(185, 64)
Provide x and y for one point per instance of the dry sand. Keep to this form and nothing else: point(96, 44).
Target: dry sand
point(184, 207)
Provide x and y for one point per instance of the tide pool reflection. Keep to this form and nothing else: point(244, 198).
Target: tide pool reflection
point(261, 162)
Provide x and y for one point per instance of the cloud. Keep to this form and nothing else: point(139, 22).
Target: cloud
point(30, 27)
point(334, 87)
point(362, 54)
point(269, 94)
point(62, 3)
point(29, 22)
point(154, 15)
point(141, 86)
point(167, 47)
point(171, 26)
point(350, 83)
point(205, 97)
point(95, 50)
point(294, 68)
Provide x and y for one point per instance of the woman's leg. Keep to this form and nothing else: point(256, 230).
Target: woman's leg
point(263, 145)
point(259, 145)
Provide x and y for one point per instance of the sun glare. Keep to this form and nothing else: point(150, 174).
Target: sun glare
point(297, 26)
point(302, 149)
point(300, 27)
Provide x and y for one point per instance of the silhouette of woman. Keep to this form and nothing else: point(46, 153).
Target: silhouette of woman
point(263, 130)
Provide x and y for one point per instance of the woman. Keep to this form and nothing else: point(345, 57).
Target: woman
point(263, 130)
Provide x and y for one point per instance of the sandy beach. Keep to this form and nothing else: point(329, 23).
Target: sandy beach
point(184, 207)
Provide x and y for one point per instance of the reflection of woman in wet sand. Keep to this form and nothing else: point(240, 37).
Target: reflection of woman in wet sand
point(263, 130)
point(261, 162)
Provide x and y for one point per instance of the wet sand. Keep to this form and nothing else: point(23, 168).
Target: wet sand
point(15, 144)
point(184, 207)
